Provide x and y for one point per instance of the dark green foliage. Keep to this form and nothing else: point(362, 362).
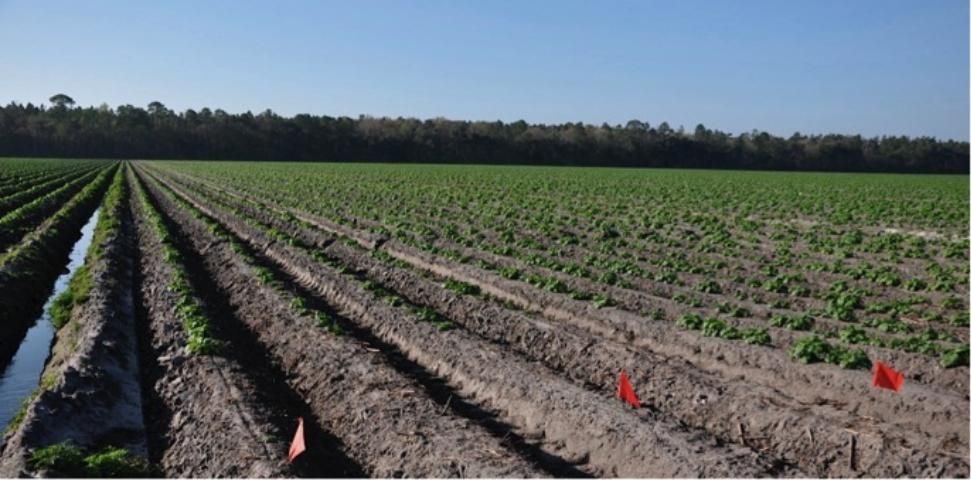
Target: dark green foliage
point(510, 273)
point(461, 287)
point(853, 334)
point(133, 132)
point(851, 359)
point(428, 314)
point(951, 303)
point(600, 300)
point(581, 295)
point(843, 300)
point(891, 325)
point(329, 323)
point(795, 322)
point(63, 458)
point(915, 285)
point(75, 294)
point(67, 460)
point(756, 336)
point(841, 306)
point(713, 327)
point(709, 286)
point(691, 321)
point(955, 357)
point(814, 348)
point(962, 319)
point(810, 349)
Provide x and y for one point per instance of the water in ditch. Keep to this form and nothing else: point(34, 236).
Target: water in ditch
point(23, 373)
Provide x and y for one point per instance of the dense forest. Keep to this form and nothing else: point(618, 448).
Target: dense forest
point(156, 132)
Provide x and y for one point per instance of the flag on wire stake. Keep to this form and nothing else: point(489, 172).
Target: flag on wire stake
point(625, 391)
point(886, 377)
point(297, 446)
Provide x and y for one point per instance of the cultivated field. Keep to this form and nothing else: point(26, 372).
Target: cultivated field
point(472, 321)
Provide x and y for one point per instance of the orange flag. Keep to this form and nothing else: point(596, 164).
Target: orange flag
point(297, 446)
point(625, 391)
point(886, 377)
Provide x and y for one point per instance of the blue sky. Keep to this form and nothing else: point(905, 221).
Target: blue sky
point(869, 67)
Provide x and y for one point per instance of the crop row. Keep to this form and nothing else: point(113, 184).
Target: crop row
point(15, 224)
point(190, 313)
point(18, 174)
point(30, 191)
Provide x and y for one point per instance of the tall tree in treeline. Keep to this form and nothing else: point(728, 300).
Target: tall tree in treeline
point(61, 100)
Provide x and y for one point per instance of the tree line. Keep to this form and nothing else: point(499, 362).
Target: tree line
point(156, 132)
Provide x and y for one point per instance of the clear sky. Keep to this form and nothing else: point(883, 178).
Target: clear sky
point(814, 66)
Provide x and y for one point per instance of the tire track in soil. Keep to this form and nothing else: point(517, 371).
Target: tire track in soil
point(922, 408)
point(212, 415)
point(542, 401)
point(736, 412)
point(388, 430)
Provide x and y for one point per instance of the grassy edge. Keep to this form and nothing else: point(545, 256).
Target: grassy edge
point(70, 461)
point(81, 283)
